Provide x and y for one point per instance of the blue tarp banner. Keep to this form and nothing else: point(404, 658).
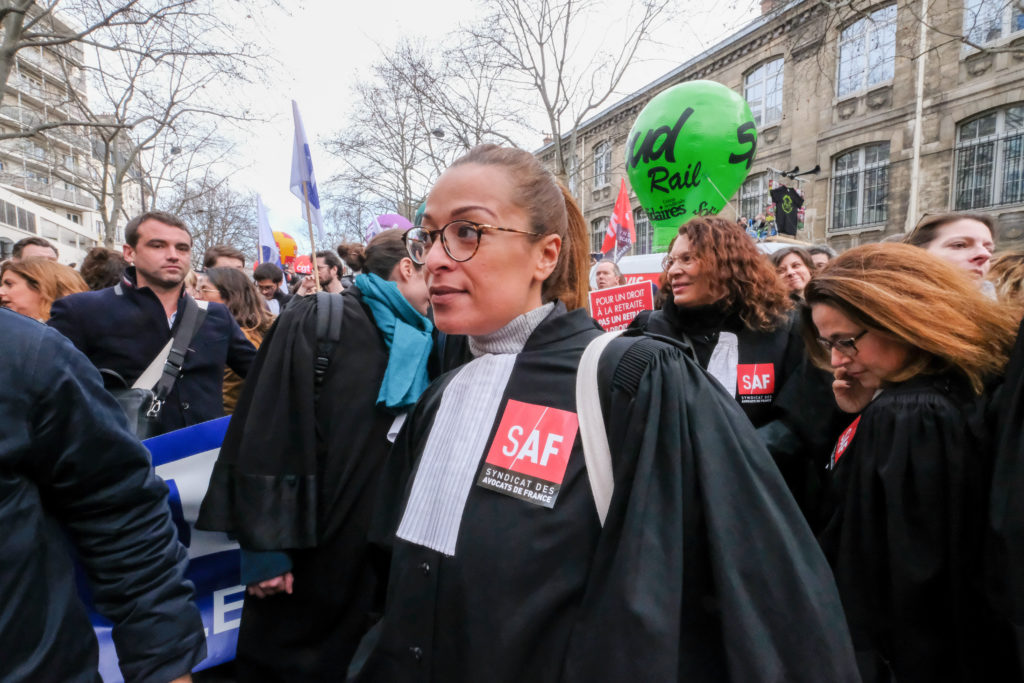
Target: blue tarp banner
point(184, 460)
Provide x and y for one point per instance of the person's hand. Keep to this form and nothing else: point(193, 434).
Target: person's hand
point(851, 395)
point(278, 584)
point(187, 678)
point(307, 286)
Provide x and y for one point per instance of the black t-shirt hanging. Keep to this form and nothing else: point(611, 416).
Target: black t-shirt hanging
point(787, 201)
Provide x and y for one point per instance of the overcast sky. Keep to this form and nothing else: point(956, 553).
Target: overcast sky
point(321, 46)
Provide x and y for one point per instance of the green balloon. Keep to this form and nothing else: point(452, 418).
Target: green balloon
point(688, 152)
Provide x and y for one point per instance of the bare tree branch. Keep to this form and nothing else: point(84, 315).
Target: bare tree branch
point(534, 40)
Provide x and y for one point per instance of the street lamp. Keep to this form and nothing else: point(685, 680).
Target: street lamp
point(439, 133)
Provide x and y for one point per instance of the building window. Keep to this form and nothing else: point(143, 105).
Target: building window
point(860, 187)
point(990, 160)
point(763, 91)
point(644, 233)
point(10, 216)
point(753, 196)
point(989, 20)
point(867, 52)
point(602, 164)
point(598, 227)
point(574, 176)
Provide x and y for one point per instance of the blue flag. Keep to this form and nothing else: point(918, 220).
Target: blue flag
point(303, 183)
point(269, 253)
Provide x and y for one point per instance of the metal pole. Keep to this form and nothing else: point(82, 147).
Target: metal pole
point(312, 243)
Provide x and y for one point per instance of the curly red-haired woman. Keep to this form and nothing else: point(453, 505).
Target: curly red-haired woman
point(722, 297)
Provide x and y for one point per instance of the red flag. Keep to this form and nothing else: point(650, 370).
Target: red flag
point(621, 233)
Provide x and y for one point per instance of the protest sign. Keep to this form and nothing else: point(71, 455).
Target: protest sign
point(615, 307)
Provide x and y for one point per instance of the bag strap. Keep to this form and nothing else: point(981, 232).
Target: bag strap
point(596, 451)
point(149, 377)
point(191, 320)
point(329, 310)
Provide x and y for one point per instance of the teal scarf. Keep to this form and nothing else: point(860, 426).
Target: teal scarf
point(407, 335)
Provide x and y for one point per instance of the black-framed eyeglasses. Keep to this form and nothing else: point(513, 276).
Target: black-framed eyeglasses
point(847, 347)
point(460, 239)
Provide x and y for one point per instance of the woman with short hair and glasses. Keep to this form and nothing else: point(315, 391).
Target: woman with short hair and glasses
point(506, 565)
point(722, 297)
point(912, 344)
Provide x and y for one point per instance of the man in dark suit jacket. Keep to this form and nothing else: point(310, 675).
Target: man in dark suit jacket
point(268, 279)
point(124, 327)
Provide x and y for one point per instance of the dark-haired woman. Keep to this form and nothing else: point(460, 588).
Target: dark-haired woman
point(723, 298)
point(299, 484)
point(230, 286)
point(794, 268)
point(912, 343)
point(513, 557)
point(102, 268)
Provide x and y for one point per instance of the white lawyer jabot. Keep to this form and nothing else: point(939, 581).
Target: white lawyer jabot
point(458, 437)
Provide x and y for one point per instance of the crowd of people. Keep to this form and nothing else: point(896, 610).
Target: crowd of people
point(798, 467)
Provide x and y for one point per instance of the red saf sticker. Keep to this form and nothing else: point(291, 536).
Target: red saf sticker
point(755, 382)
point(844, 442)
point(530, 452)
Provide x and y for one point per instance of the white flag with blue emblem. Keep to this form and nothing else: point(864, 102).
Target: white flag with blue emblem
point(269, 252)
point(303, 183)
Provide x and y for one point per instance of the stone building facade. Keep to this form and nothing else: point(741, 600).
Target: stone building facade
point(44, 86)
point(900, 116)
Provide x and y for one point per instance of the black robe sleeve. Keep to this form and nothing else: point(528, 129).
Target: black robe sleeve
point(903, 537)
point(263, 486)
point(705, 570)
point(1004, 551)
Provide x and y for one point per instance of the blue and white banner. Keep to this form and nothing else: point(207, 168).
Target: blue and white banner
point(303, 183)
point(269, 253)
point(184, 460)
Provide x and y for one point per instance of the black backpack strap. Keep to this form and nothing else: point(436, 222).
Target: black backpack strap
point(191, 320)
point(626, 359)
point(329, 309)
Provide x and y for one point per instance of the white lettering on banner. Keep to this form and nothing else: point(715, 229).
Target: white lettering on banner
point(222, 607)
point(615, 307)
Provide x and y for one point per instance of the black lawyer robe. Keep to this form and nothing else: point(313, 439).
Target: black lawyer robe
point(303, 480)
point(796, 417)
point(1004, 547)
point(903, 535)
point(704, 571)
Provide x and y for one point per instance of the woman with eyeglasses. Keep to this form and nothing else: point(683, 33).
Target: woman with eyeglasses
point(298, 474)
point(508, 561)
point(912, 343)
point(722, 297)
point(231, 287)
